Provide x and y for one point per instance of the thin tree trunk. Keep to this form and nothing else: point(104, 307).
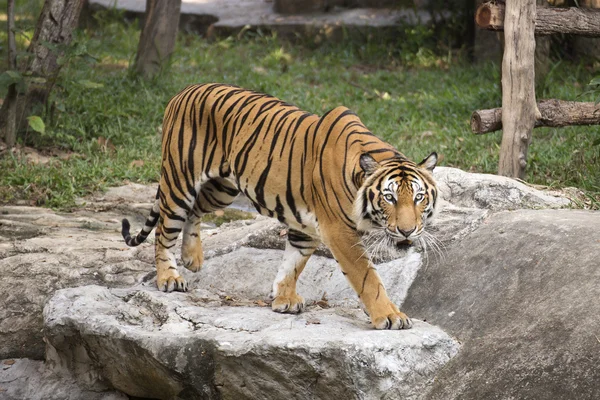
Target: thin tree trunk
point(55, 25)
point(519, 110)
point(10, 134)
point(157, 40)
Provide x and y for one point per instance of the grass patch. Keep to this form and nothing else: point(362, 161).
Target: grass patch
point(227, 215)
point(405, 94)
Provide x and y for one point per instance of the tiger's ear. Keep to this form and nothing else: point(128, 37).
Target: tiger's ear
point(368, 164)
point(430, 162)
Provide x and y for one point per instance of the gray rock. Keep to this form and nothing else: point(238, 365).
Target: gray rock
point(493, 192)
point(42, 251)
point(34, 380)
point(53, 251)
point(151, 344)
point(248, 273)
point(522, 294)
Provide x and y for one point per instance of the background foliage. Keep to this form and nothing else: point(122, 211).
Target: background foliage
point(103, 124)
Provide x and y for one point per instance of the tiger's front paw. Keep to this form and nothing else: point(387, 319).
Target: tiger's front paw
point(395, 320)
point(293, 304)
point(170, 281)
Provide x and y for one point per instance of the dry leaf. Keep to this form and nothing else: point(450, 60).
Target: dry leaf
point(34, 157)
point(283, 232)
point(313, 321)
point(137, 163)
point(9, 362)
point(105, 144)
point(260, 303)
point(219, 213)
point(323, 303)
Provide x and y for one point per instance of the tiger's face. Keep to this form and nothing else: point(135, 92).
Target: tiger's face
point(397, 198)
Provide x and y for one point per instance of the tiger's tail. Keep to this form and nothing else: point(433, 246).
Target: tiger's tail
point(151, 222)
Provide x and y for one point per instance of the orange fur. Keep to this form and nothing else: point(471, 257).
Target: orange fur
point(328, 178)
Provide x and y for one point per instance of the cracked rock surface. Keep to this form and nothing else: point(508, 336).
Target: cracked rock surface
point(35, 380)
point(42, 251)
point(157, 345)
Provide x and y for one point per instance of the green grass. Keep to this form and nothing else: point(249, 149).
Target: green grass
point(412, 98)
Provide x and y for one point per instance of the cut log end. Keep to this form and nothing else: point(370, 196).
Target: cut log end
point(484, 121)
point(483, 16)
point(489, 16)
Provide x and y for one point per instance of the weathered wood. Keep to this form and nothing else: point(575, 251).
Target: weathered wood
point(548, 20)
point(554, 113)
point(484, 121)
point(519, 109)
point(10, 132)
point(157, 40)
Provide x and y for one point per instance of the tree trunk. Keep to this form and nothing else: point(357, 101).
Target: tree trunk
point(549, 20)
point(519, 110)
point(555, 113)
point(55, 26)
point(157, 40)
point(10, 133)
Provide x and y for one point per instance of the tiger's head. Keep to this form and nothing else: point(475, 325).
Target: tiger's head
point(396, 198)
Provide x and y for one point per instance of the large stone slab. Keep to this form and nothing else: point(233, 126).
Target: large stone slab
point(522, 294)
point(42, 251)
point(157, 345)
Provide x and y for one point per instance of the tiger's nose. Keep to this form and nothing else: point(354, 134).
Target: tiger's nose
point(406, 233)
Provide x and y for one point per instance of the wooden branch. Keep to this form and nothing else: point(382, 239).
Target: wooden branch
point(555, 113)
point(519, 109)
point(484, 121)
point(548, 20)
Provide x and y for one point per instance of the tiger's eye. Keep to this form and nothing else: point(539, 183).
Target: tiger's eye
point(419, 197)
point(388, 197)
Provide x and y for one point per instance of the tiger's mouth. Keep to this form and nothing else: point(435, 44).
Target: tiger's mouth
point(403, 244)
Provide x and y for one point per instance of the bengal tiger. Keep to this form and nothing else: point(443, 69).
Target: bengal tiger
point(329, 179)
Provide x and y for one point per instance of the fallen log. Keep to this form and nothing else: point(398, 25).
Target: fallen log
point(548, 20)
point(554, 113)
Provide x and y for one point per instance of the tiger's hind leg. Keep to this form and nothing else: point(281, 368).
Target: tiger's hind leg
point(173, 213)
point(298, 250)
point(215, 194)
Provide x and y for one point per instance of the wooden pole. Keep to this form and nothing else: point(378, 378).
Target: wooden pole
point(519, 110)
point(10, 134)
point(555, 113)
point(549, 20)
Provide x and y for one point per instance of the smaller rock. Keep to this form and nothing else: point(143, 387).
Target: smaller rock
point(493, 192)
point(34, 380)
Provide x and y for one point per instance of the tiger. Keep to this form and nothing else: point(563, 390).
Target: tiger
point(328, 178)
